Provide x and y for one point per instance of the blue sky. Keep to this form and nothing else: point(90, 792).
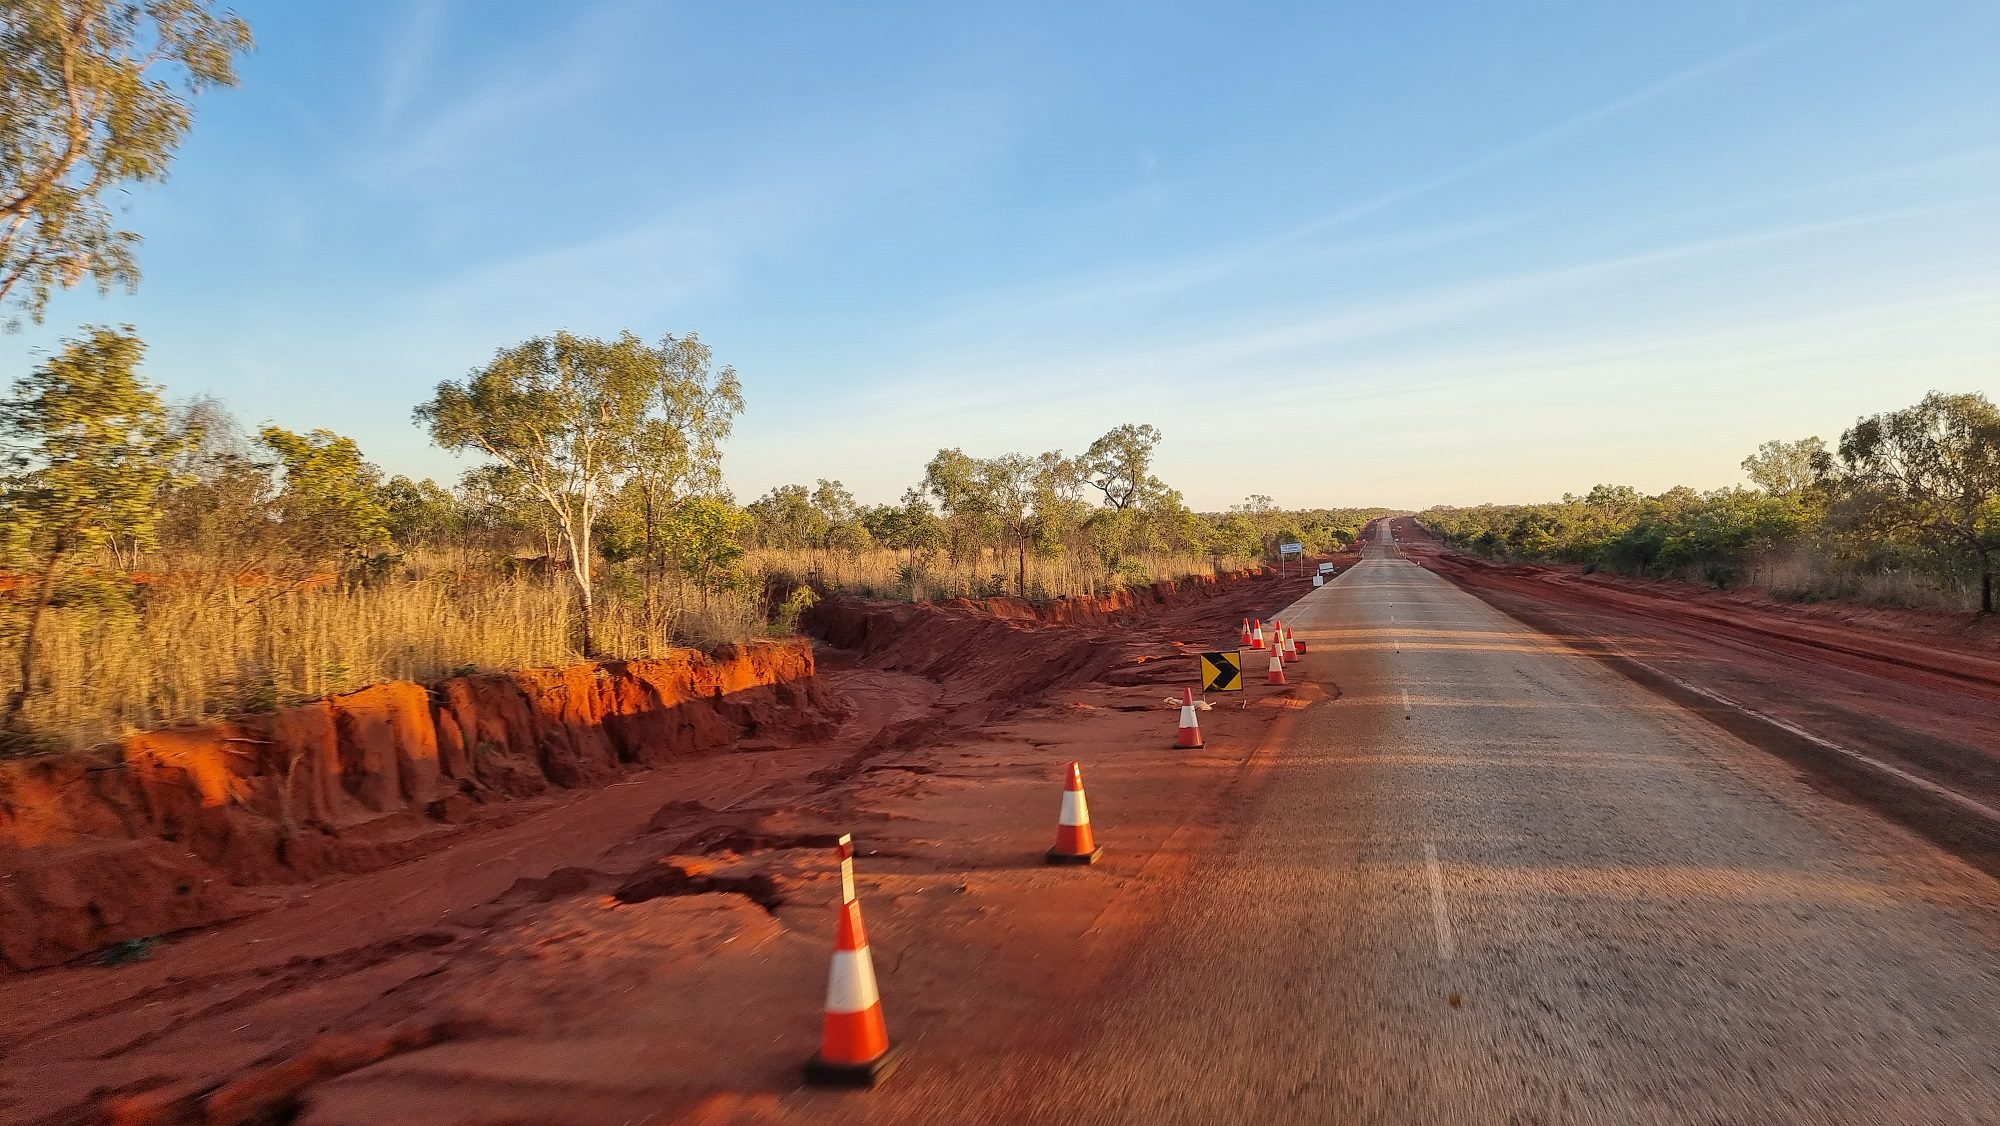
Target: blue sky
point(1339, 253)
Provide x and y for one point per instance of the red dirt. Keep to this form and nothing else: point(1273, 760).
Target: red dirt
point(1919, 692)
point(167, 830)
point(502, 922)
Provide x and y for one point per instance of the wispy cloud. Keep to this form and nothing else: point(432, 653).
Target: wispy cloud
point(635, 271)
point(411, 56)
point(1306, 243)
point(1140, 284)
point(416, 140)
point(1553, 135)
point(1305, 343)
point(1646, 358)
point(631, 274)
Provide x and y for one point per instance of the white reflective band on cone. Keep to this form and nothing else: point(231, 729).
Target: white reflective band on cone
point(850, 988)
point(1074, 811)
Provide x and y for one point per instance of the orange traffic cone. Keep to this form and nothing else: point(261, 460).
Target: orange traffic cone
point(1074, 842)
point(1291, 647)
point(1297, 645)
point(854, 1049)
point(1257, 633)
point(1244, 641)
point(1278, 638)
point(1189, 734)
point(1276, 673)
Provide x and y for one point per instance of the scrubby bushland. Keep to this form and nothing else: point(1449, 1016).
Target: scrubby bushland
point(1036, 526)
point(159, 564)
point(1905, 510)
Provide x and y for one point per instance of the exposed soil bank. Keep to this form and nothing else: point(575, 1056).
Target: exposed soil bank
point(162, 832)
point(1919, 693)
point(657, 947)
point(998, 649)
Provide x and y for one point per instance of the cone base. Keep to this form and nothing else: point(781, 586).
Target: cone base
point(1184, 745)
point(821, 1073)
point(1076, 857)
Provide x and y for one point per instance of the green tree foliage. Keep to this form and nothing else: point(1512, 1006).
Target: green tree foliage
point(1120, 465)
point(706, 541)
point(329, 501)
point(786, 517)
point(94, 96)
point(1915, 490)
point(421, 513)
point(1060, 511)
point(571, 418)
point(826, 517)
point(215, 508)
point(910, 527)
point(1787, 468)
point(87, 448)
point(1932, 470)
point(1005, 488)
point(499, 511)
point(1018, 503)
point(677, 446)
point(1712, 536)
point(952, 480)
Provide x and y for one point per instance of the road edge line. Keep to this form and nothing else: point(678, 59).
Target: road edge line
point(1959, 824)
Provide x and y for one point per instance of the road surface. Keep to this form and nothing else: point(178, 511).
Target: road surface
point(1495, 882)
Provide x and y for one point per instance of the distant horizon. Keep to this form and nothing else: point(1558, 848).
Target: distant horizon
point(1445, 256)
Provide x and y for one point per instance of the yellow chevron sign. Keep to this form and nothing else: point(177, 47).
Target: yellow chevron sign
point(1221, 672)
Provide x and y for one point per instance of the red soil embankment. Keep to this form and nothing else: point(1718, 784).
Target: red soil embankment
point(999, 649)
point(163, 832)
point(637, 950)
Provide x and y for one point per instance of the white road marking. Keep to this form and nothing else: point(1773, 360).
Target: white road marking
point(1439, 920)
point(1406, 701)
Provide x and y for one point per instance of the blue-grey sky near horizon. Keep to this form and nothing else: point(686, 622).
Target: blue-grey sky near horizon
point(1339, 254)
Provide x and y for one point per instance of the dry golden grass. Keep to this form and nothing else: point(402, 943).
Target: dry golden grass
point(889, 574)
point(185, 654)
point(1811, 578)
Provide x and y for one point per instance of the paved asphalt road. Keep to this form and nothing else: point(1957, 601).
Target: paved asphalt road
point(1495, 882)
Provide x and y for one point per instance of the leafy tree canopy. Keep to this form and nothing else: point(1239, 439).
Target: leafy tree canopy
point(94, 95)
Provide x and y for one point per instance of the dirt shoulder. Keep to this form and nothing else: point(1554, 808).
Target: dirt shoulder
point(656, 949)
point(1913, 692)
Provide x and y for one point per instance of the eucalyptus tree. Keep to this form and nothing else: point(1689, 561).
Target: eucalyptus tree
point(574, 419)
point(952, 479)
point(677, 447)
point(1788, 468)
point(787, 518)
point(1933, 470)
point(910, 527)
point(1120, 465)
point(94, 95)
